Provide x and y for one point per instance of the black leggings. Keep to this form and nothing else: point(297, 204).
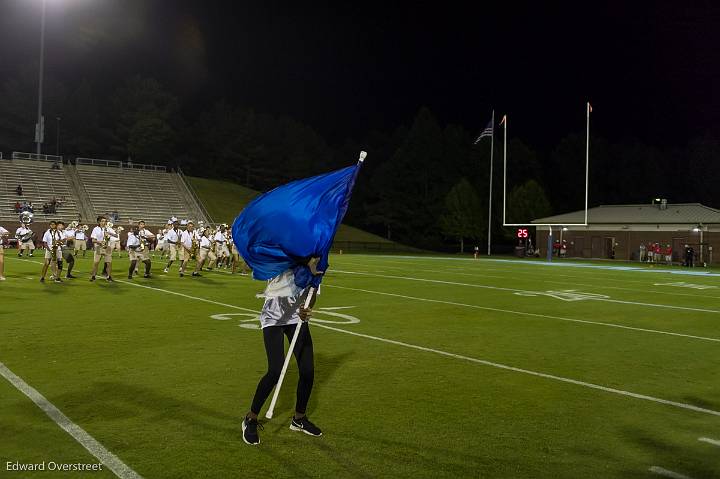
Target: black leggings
point(275, 349)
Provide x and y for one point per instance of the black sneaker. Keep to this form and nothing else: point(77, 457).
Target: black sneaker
point(42, 280)
point(196, 274)
point(57, 280)
point(92, 278)
point(109, 279)
point(69, 276)
point(182, 274)
point(146, 275)
point(250, 431)
point(303, 424)
point(129, 276)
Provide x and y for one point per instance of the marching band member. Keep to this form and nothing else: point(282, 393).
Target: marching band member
point(66, 247)
point(3, 244)
point(80, 239)
point(236, 257)
point(143, 253)
point(221, 250)
point(187, 243)
point(137, 249)
point(100, 236)
point(172, 238)
point(115, 241)
point(161, 244)
point(204, 250)
point(24, 236)
point(51, 242)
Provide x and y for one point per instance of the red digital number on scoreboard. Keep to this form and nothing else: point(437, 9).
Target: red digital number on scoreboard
point(522, 233)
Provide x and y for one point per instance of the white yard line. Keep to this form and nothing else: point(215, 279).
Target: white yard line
point(461, 272)
point(513, 290)
point(620, 392)
point(523, 313)
point(666, 473)
point(109, 459)
point(714, 442)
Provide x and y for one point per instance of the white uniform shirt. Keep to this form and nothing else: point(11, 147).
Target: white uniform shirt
point(48, 237)
point(98, 235)
point(132, 240)
point(80, 235)
point(187, 239)
point(171, 237)
point(21, 232)
point(220, 237)
point(3, 233)
point(113, 239)
point(69, 234)
point(145, 233)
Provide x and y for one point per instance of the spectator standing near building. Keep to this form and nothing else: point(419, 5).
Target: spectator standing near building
point(650, 252)
point(643, 252)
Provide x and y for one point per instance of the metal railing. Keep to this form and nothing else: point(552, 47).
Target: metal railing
point(19, 155)
point(194, 195)
point(119, 164)
point(97, 162)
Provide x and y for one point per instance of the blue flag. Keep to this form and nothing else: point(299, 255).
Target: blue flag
point(283, 228)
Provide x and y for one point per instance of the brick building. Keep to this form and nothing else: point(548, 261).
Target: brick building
point(618, 230)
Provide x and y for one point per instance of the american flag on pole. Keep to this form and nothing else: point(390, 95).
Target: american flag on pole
point(488, 131)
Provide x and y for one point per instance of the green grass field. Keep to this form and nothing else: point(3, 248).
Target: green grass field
point(224, 200)
point(439, 367)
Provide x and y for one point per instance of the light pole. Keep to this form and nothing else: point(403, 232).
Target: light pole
point(40, 125)
point(57, 137)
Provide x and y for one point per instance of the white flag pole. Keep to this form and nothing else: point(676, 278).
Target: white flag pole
point(505, 122)
point(587, 160)
point(271, 409)
point(492, 149)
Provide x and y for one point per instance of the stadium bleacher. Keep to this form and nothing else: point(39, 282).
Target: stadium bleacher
point(40, 184)
point(96, 187)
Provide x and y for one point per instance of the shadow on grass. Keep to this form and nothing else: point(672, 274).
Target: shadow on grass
point(675, 453)
point(326, 365)
point(122, 401)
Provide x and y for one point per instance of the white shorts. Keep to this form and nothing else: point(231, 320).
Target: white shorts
point(172, 251)
point(58, 254)
point(115, 245)
point(100, 253)
point(135, 255)
point(222, 250)
point(80, 245)
point(182, 254)
point(27, 245)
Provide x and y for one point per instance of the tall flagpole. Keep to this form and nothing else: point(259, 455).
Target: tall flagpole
point(505, 122)
point(492, 150)
point(587, 160)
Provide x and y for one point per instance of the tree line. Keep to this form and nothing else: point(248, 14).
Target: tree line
point(424, 184)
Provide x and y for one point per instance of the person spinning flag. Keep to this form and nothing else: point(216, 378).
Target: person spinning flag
point(285, 237)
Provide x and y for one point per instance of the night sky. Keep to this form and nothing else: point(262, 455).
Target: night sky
point(347, 68)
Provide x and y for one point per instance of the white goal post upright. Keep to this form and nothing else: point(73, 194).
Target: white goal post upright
point(587, 176)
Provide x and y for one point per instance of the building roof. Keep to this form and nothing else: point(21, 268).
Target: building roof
point(682, 213)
